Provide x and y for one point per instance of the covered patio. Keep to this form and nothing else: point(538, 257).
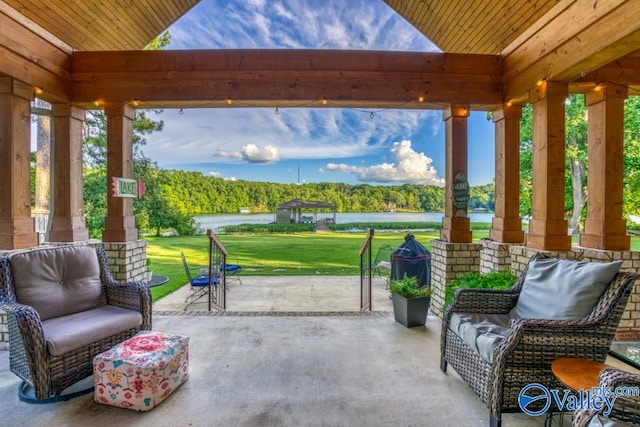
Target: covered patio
point(270, 370)
point(332, 370)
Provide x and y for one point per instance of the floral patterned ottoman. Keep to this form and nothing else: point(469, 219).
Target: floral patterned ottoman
point(142, 371)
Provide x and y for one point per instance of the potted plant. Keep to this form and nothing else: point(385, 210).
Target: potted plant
point(410, 302)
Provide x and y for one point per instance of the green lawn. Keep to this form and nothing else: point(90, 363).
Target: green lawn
point(277, 254)
point(272, 254)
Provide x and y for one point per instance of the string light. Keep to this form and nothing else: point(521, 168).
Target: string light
point(421, 98)
point(324, 101)
point(229, 101)
point(181, 112)
point(371, 115)
point(277, 111)
point(37, 90)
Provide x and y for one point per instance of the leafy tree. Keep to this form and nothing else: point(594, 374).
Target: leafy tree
point(576, 155)
point(153, 211)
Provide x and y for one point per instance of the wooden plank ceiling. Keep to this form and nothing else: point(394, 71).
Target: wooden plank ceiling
point(95, 25)
point(472, 26)
point(469, 26)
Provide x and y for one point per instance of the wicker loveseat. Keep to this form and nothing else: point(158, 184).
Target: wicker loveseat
point(64, 307)
point(512, 349)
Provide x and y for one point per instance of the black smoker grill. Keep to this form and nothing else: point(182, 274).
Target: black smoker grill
point(412, 259)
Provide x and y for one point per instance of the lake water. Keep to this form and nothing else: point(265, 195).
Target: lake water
point(218, 221)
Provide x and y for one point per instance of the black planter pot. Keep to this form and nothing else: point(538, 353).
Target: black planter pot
point(410, 312)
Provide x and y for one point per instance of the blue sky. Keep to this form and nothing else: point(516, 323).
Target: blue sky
point(325, 145)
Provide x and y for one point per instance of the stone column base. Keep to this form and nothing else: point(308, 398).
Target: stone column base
point(450, 261)
point(127, 260)
point(495, 256)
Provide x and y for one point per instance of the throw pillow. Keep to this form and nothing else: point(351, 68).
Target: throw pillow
point(559, 289)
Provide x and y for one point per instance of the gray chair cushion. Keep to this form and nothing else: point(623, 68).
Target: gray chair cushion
point(481, 332)
point(559, 289)
point(58, 281)
point(66, 333)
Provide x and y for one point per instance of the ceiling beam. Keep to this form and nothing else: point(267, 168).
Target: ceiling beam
point(31, 55)
point(287, 77)
point(624, 71)
point(573, 39)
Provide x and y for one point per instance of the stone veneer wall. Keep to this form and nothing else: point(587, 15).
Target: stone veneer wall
point(450, 261)
point(127, 262)
point(629, 329)
point(494, 256)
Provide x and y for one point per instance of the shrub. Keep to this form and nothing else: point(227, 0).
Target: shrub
point(493, 280)
point(408, 288)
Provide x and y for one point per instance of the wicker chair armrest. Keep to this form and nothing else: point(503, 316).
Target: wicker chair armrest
point(614, 377)
point(33, 346)
point(540, 341)
point(628, 406)
point(27, 319)
point(482, 301)
point(133, 296)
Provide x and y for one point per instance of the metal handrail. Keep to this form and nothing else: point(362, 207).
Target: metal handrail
point(366, 275)
point(217, 257)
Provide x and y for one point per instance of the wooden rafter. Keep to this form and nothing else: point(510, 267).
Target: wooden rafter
point(573, 39)
point(287, 77)
point(33, 56)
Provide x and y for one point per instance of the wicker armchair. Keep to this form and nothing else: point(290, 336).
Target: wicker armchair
point(626, 409)
point(525, 352)
point(64, 307)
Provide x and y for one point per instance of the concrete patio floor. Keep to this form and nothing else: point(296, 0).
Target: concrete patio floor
point(267, 364)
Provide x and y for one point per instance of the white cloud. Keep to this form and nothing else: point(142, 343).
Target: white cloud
point(251, 153)
point(284, 24)
point(408, 166)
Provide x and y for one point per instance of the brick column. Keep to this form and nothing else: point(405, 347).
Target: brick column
point(506, 226)
point(456, 227)
point(68, 223)
point(548, 226)
point(450, 261)
point(119, 225)
point(494, 256)
point(604, 227)
point(127, 260)
point(17, 228)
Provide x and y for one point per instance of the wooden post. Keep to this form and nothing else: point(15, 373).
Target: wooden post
point(604, 227)
point(456, 227)
point(548, 226)
point(506, 226)
point(17, 228)
point(119, 225)
point(68, 224)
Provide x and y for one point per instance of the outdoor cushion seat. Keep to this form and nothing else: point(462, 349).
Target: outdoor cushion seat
point(67, 333)
point(499, 341)
point(63, 308)
point(480, 331)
